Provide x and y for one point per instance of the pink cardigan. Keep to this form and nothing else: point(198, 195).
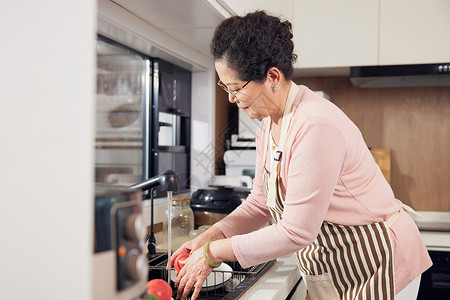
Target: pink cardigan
point(328, 174)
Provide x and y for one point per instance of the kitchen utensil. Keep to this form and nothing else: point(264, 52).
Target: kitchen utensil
point(182, 221)
point(123, 115)
point(213, 204)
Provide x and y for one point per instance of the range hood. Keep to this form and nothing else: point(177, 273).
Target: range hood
point(401, 75)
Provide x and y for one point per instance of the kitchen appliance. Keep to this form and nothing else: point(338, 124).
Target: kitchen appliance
point(434, 229)
point(119, 265)
point(120, 269)
point(240, 162)
point(401, 75)
point(121, 115)
point(246, 136)
point(230, 180)
point(171, 119)
point(142, 117)
point(225, 192)
point(435, 282)
point(214, 203)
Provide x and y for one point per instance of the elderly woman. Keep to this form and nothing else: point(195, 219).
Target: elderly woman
point(314, 176)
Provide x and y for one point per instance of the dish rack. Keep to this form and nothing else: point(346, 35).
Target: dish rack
point(225, 285)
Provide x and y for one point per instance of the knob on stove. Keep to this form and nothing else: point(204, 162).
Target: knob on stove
point(134, 227)
point(136, 266)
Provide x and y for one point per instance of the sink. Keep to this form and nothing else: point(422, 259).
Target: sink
point(241, 279)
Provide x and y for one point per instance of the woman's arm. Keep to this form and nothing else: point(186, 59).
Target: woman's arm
point(221, 250)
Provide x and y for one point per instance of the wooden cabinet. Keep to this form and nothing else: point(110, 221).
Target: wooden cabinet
point(414, 31)
point(335, 33)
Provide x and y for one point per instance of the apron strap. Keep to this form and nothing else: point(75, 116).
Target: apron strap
point(285, 121)
point(395, 216)
point(411, 210)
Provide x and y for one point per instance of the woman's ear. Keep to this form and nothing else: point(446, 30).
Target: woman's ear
point(274, 76)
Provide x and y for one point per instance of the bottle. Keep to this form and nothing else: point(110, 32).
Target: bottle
point(182, 221)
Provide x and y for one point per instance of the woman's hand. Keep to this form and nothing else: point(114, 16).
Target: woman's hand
point(211, 234)
point(188, 247)
point(192, 275)
point(197, 268)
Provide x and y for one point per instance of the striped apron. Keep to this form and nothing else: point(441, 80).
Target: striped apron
point(343, 262)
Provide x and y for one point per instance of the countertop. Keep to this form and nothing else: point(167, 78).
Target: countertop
point(436, 240)
point(434, 229)
point(277, 282)
point(432, 220)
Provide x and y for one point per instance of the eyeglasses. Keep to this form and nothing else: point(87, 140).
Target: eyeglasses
point(232, 93)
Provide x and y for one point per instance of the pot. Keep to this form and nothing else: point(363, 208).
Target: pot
point(213, 204)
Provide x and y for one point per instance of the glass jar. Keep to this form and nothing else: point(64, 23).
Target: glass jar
point(182, 221)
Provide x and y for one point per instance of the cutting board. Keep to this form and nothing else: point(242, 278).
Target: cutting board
point(382, 157)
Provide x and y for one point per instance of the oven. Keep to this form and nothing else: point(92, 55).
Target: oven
point(435, 231)
point(435, 282)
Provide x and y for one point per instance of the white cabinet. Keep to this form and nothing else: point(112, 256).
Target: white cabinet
point(327, 33)
point(414, 31)
point(330, 33)
point(333, 34)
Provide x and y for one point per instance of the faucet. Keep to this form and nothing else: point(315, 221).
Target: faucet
point(170, 182)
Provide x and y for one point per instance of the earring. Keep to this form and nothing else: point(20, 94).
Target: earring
point(276, 87)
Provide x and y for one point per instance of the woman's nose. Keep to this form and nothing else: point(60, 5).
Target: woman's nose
point(232, 98)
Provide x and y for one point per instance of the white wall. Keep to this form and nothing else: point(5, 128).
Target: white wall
point(46, 154)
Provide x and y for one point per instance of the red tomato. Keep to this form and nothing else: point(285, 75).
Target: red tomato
point(158, 289)
point(177, 264)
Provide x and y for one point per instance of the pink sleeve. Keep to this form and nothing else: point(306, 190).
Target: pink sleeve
point(253, 212)
point(314, 168)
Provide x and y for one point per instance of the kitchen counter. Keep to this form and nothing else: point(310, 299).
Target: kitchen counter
point(277, 282)
point(436, 240)
point(434, 229)
point(432, 220)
